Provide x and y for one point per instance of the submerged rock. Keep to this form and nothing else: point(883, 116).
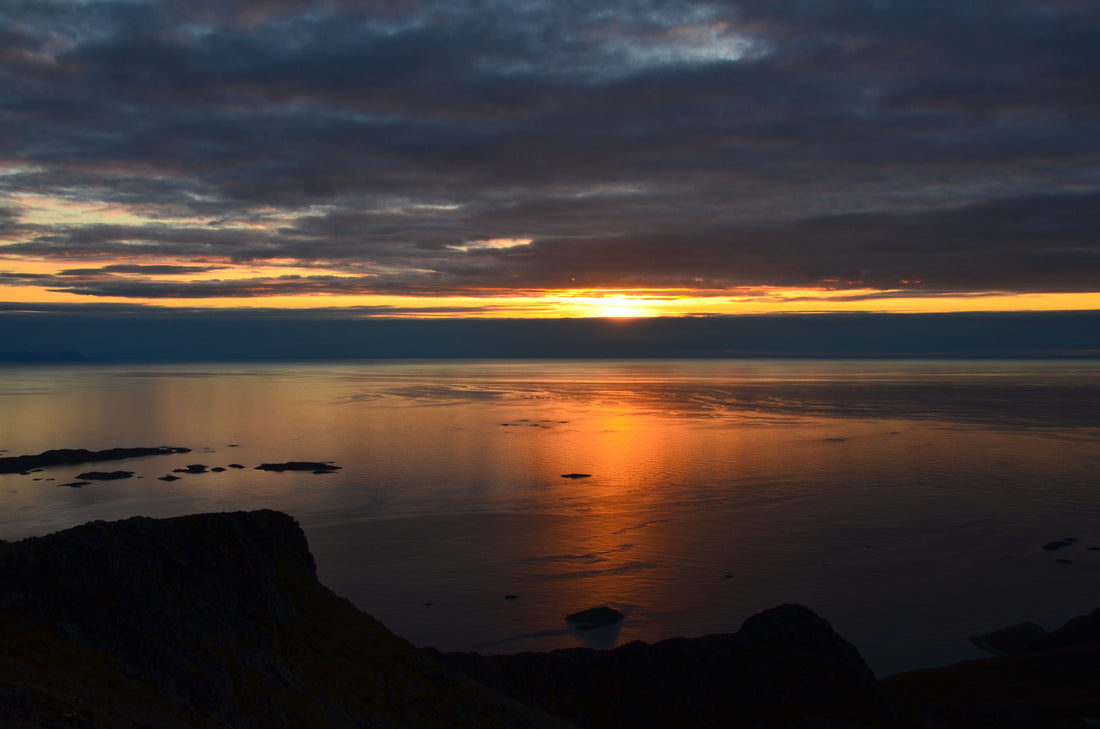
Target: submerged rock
point(576, 475)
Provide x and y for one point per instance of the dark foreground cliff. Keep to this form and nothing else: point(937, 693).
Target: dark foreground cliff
point(218, 620)
point(214, 620)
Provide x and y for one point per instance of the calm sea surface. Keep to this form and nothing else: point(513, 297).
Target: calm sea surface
point(906, 502)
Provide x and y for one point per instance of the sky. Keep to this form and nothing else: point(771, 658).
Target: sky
point(528, 158)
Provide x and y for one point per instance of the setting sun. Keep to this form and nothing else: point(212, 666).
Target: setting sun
point(620, 307)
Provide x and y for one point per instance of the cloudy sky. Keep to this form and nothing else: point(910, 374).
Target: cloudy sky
point(537, 158)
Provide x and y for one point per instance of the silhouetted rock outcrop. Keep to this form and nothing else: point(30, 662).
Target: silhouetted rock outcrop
point(71, 456)
point(784, 668)
point(209, 621)
point(1080, 632)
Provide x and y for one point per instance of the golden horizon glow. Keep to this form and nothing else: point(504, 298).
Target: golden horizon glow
point(575, 304)
point(44, 279)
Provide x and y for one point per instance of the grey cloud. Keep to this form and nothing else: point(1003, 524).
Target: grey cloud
point(236, 288)
point(1039, 243)
point(145, 270)
point(151, 313)
point(854, 144)
point(15, 278)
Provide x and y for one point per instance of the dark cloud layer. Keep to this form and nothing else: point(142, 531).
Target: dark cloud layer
point(935, 147)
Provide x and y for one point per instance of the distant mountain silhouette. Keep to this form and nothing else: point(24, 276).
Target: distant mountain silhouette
point(33, 357)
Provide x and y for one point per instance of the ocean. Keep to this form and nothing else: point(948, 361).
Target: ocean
point(479, 502)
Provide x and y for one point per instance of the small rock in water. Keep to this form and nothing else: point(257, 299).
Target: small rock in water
point(596, 617)
point(236, 465)
point(314, 466)
point(74, 484)
point(193, 468)
point(104, 475)
point(216, 469)
point(1058, 545)
point(511, 597)
point(1011, 640)
point(576, 475)
point(168, 477)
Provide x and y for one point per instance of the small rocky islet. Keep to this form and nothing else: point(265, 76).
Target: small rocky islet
point(74, 456)
point(316, 467)
point(104, 475)
point(193, 468)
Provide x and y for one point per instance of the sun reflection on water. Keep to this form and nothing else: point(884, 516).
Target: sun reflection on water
point(883, 495)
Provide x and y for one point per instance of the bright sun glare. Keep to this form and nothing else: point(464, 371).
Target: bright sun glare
point(619, 307)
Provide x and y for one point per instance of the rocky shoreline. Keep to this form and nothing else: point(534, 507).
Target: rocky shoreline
point(27, 465)
point(218, 620)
